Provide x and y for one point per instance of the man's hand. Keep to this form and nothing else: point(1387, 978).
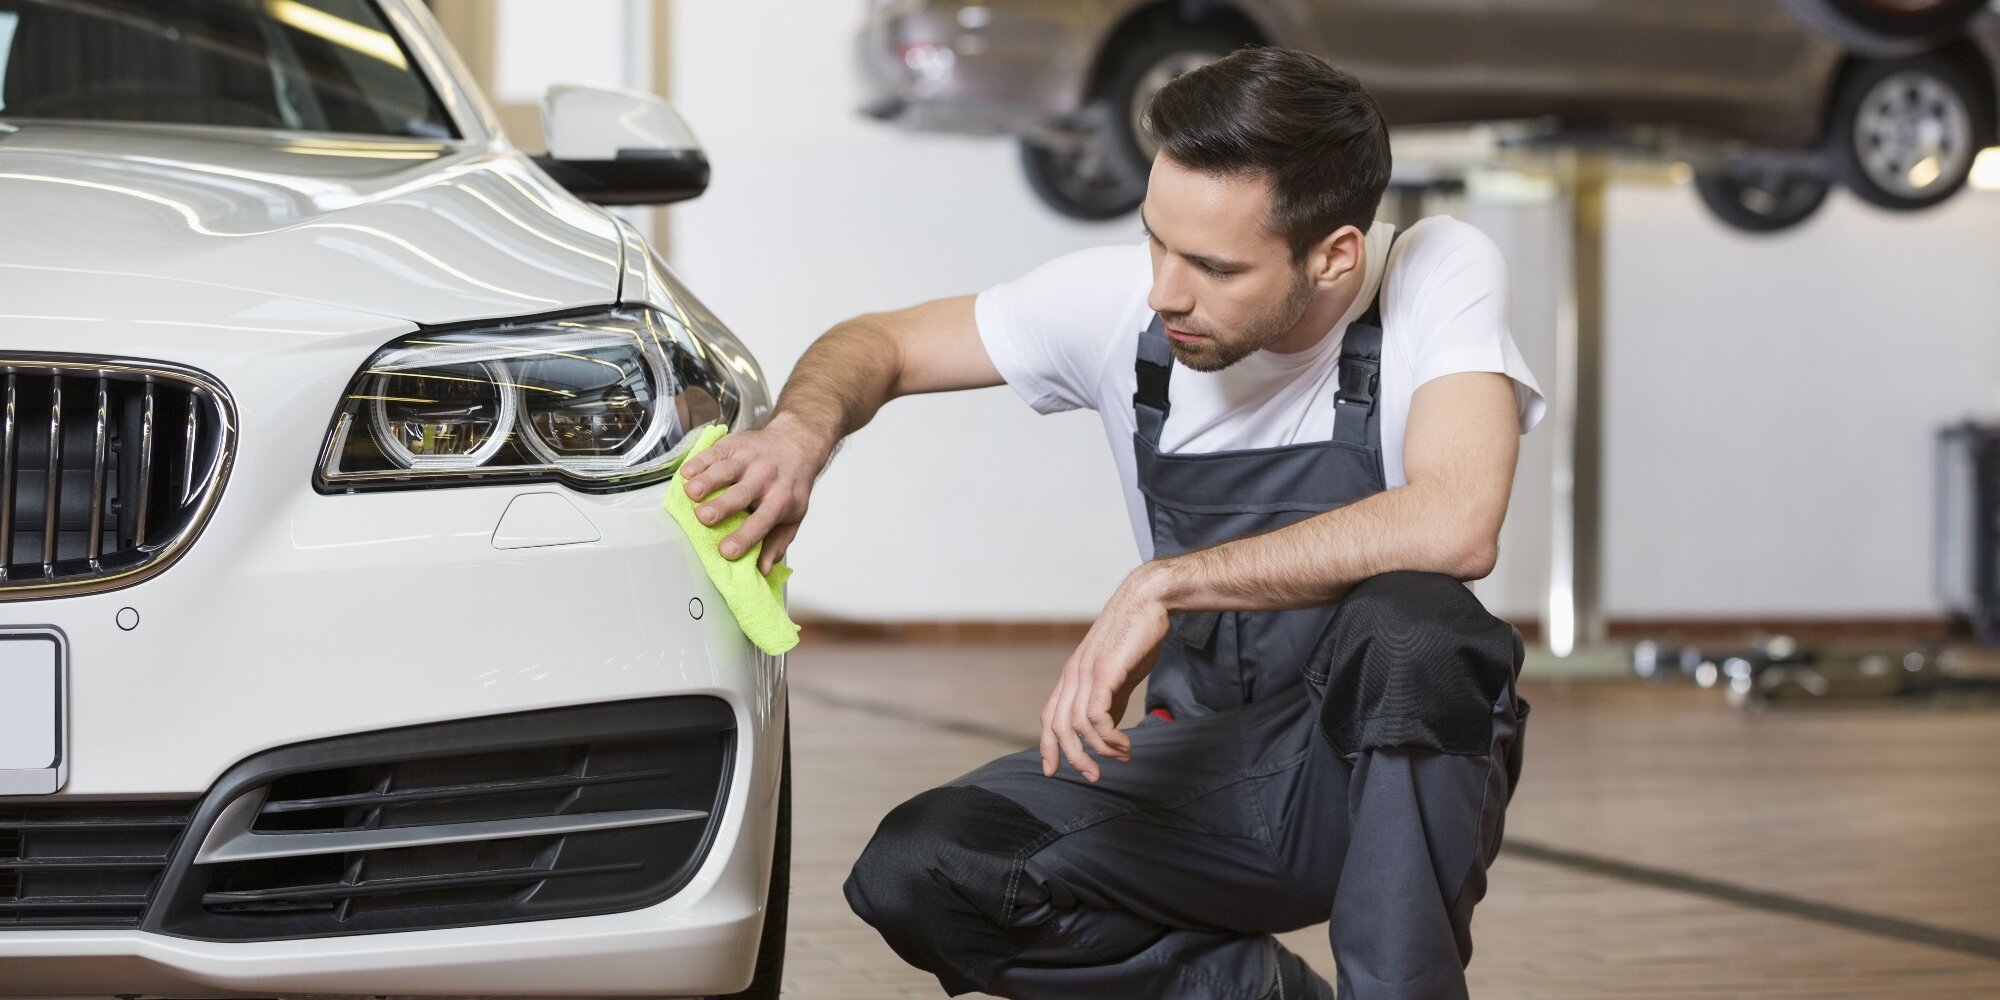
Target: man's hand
point(1115, 656)
point(768, 472)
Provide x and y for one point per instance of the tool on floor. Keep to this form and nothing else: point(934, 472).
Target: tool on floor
point(1779, 669)
point(1967, 563)
point(757, 601)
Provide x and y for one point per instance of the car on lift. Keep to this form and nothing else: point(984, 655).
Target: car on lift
point(1777, 100)
point(345, 647)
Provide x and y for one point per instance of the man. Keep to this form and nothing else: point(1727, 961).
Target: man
point(1317, 433)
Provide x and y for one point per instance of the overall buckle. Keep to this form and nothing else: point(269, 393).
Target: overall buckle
point(1153, 382)
point(1357, 382)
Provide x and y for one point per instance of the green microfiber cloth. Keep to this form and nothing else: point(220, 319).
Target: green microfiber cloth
point(757, 601)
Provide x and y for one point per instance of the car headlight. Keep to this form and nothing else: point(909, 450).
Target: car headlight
point(604, 401)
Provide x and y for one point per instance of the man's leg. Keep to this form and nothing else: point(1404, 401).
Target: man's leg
point(1421, 713)
point(1160, 881)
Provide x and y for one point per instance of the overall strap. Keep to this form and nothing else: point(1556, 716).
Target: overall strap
point(1155, 367)
point(1360, 376)
point(1354, 403)
point(1355, 420)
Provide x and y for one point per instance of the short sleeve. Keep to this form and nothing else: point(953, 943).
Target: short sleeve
point(1050, 331)
point(1451, 284)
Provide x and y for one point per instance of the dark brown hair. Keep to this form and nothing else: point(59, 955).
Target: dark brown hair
point(1290, 115)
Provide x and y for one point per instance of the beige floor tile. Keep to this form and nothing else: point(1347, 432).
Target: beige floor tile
point(1888, 809)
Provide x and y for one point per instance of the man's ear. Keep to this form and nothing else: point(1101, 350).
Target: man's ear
point(1340, 253)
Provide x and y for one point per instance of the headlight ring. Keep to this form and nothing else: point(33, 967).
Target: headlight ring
point(440, 420)
point(600, 400)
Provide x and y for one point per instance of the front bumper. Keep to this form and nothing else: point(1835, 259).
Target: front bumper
point(671, 950)
point(970, 67)
point(299, 616)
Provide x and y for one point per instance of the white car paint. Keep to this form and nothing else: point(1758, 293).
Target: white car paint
point(279, 262)
point(410, 229)
point(594, 123)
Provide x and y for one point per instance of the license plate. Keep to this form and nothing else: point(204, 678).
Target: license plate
point(33, 709)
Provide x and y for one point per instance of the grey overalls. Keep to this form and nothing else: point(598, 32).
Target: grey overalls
point(1351, 762)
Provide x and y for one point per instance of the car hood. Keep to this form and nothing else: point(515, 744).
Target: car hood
point(411, 230)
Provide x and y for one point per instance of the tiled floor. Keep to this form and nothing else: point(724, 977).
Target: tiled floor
point(1877, 826)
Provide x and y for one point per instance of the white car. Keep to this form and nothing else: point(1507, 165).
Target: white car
point(345, 646)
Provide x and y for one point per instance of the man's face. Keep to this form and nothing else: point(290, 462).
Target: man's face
point(1223, 284)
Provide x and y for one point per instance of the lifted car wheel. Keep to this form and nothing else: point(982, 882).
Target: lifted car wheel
point(1905, 131)
point(1082, 181)
point(1761, 201)
point(1103, 174)
point(1888, 27)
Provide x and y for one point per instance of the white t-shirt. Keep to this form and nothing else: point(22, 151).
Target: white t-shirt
point(1066, 335)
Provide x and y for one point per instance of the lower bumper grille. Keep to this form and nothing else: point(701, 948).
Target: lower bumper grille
point(560, 813)
point(546, 814)
point(84, 865)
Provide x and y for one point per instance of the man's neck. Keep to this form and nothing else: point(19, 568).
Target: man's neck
point(1323, 314)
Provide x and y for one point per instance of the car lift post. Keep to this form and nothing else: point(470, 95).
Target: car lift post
point(1572, 618)
point(1437, 163)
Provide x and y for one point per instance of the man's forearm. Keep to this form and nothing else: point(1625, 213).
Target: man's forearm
point(1460, 450)
point(1315, 561)
point(841, 382)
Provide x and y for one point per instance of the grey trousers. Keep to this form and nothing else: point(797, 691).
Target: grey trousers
point(1168, 878)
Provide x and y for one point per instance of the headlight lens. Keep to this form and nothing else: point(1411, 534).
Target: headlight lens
point(602, 401)
point(452, 417)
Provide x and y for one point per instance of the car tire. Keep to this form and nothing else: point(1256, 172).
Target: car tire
point(1884, 28)
point(770, 973)
point(1761, 201)
point(1103, 174)
point(1081, 182)
point(1905, 132)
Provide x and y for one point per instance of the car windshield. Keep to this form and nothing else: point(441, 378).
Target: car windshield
point(318, 65)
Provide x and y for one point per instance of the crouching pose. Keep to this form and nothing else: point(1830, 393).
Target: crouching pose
point(1315, 419)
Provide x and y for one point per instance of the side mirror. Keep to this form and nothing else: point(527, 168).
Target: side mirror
point(620, 147)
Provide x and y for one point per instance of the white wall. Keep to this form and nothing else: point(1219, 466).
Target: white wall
point(537, 43)
point(968, 506)
point(1769, 411)
point(1771, 403)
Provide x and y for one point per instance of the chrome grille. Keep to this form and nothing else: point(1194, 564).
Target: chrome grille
point(108, 469)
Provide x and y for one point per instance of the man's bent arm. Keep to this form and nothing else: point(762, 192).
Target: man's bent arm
point(1460, 449)
point(854, 369)
point(845, 377)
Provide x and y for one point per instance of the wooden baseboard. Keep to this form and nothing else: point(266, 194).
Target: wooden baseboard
point(1888, 628)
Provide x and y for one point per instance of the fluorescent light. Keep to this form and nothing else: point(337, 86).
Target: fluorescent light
point(368, 41)
point(1986, 170)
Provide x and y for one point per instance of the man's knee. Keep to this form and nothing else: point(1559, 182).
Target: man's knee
point(1413, 660)
point(939, 878)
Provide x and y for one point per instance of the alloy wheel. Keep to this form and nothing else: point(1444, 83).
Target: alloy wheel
point(1912, 131)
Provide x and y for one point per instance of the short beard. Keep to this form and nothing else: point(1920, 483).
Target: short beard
point(1219, 352)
